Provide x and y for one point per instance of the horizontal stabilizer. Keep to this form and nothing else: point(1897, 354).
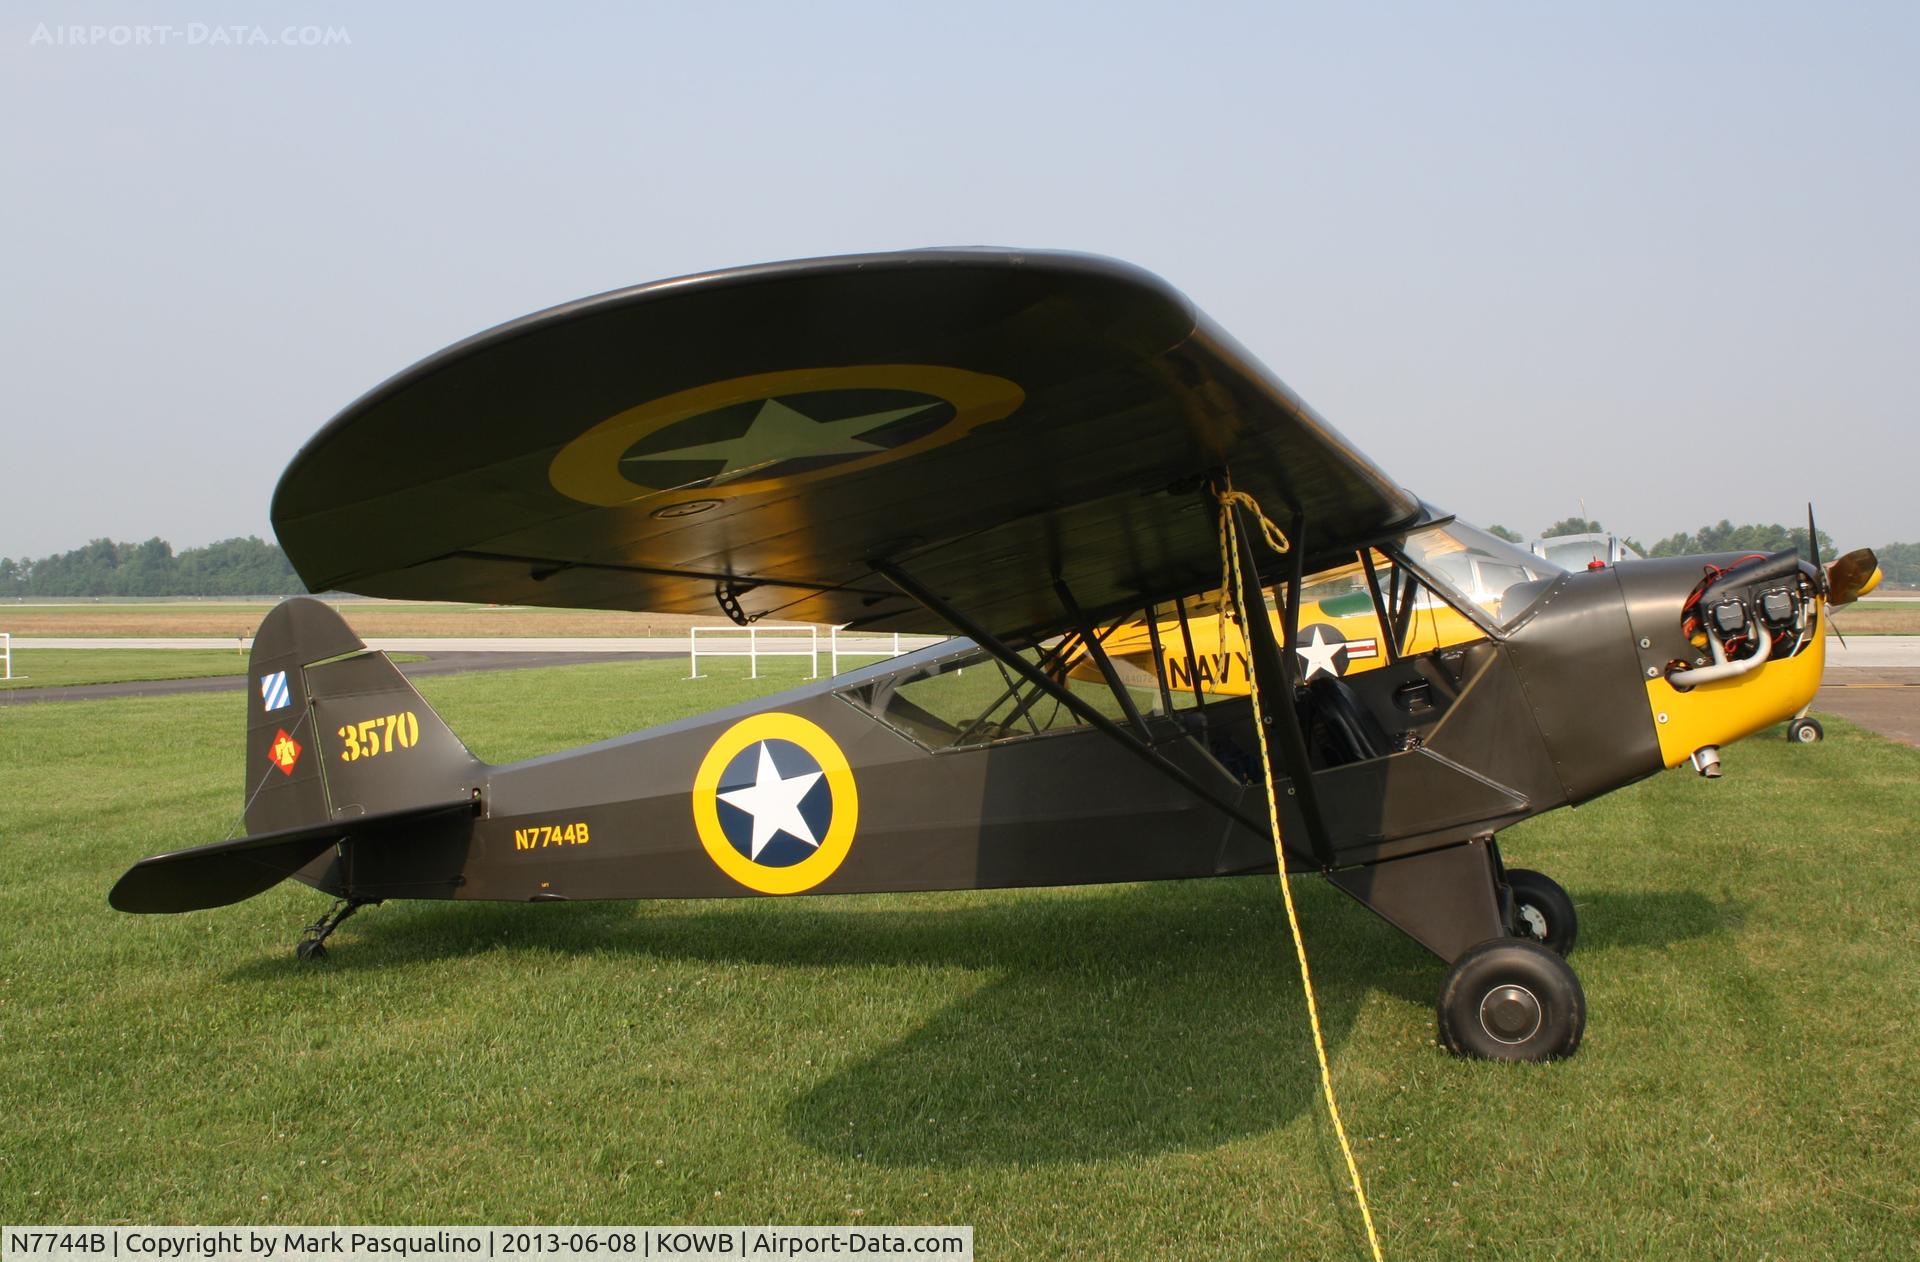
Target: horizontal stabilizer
point(228, 871)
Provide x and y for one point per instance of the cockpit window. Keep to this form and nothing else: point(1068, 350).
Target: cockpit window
point(970, 699)
point(1480, 569)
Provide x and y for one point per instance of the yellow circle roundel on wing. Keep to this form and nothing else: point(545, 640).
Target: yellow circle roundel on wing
point(842, 818)
point(589, 468)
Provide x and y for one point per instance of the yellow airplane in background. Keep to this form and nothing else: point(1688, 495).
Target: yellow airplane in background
point(1340, 627)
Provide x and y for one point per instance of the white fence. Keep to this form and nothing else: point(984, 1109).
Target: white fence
point(785, 640)
point(6, 654)
point(836, 651)
point(784, 635)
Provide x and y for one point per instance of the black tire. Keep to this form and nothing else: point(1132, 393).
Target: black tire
point(1805, 731)
point(1511, 999)
point(1542, 911)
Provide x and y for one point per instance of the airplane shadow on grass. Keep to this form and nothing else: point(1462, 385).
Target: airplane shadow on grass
point(1126, 1020)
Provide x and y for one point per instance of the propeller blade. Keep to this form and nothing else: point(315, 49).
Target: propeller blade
point(1813, 551)
point(1852, 576)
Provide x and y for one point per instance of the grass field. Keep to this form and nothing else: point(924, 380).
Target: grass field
point(1113, 1072)
point(1884, 617)
point(50, 668)
point(54, 668)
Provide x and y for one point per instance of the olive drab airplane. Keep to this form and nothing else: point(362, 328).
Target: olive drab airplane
point(1039, 454)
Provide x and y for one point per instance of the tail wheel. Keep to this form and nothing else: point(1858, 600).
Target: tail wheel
point(1805, 731)
point(1511, 999)
point(1542, 911)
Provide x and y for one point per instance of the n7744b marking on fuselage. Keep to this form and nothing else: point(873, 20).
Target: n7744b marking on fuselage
point(540, 836)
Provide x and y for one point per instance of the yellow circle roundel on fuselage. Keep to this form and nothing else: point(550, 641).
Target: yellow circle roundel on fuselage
point(778, 444)
point(759, 823)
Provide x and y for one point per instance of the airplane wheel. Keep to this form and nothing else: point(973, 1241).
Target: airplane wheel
point(1805, 731)
point(1511, 999)
point(1542, 911)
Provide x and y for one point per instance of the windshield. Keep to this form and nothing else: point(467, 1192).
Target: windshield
point(1576, 552)
point(1481, 569)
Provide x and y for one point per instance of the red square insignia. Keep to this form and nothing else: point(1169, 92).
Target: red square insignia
point(284, 753)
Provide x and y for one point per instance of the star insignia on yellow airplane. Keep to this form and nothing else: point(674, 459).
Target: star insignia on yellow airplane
point(1319, 654)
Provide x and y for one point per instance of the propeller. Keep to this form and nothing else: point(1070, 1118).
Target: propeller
point(1820, 574)
point(1848, 579)
point(1845, 580)
point(1852, 576)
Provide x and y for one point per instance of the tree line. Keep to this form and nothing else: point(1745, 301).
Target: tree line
point(1899, 561)
point(230, 567)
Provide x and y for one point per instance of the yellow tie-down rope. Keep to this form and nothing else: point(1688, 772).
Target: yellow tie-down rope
point(1230, 573)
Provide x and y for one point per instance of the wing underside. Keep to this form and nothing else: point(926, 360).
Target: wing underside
point(991, 422)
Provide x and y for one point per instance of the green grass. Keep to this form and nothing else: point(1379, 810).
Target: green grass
point(1115, 1072)
point(49, 668)
point(53, 668)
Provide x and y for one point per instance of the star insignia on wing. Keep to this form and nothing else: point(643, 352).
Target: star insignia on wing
point(780, 432)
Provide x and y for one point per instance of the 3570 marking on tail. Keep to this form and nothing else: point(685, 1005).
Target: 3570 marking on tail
point(382, 735)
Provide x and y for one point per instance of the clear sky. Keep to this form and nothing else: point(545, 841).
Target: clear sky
point(1663, 258)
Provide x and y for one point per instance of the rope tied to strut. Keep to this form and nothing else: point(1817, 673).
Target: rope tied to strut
point(1230, 499)
point(1230, 580)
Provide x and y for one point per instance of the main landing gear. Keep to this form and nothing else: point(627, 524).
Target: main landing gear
point(1511, 999)
point(1515, 998)
point(313, 939)
point(1508, 993)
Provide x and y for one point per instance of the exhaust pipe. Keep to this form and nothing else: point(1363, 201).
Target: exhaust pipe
point(1706, 761)
point(1722, 668)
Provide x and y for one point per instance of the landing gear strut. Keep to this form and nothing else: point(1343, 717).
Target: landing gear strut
point(313, 939)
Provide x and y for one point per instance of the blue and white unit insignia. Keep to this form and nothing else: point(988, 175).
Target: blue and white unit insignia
point(274, 694)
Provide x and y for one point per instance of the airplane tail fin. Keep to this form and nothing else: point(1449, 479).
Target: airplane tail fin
point(339, 745)
point(335, 731)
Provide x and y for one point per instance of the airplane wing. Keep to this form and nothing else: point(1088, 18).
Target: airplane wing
point(988, 421)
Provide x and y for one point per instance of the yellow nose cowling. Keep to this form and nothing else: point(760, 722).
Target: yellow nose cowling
point(1719, 714)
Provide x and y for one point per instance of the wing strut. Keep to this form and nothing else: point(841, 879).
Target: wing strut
point(1159, 660)
point(1099, 655)
point(1273, 674)
point(1193, 664)
point(1039, 679)
point(1380, 610)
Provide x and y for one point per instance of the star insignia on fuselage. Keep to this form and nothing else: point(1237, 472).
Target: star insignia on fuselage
point(775, 804)
point(773, 801)
point(772, 804)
